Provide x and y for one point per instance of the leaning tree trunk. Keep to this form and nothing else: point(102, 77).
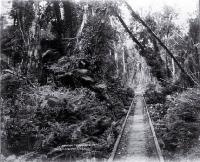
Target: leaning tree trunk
point(129, 32)
point(138, 18)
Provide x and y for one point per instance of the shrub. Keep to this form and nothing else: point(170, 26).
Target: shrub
point(46, 118)
point(152, 96)
point(182, 121)
point(177, 121)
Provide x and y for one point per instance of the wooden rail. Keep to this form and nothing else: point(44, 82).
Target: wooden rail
point(158, 150)
point(120, 134)
point(160, 156)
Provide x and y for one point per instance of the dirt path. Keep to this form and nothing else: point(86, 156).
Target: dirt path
point(137, 141)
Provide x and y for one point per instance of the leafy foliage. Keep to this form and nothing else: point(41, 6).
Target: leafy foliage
point(44, 119)
point(177, 122)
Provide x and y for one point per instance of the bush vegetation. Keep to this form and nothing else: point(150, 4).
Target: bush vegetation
point(45, 118)
point(177, 122)
point(60, 88)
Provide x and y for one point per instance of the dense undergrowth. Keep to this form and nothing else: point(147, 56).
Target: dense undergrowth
point(176, 120)
point(63, 89)
point(47, 118)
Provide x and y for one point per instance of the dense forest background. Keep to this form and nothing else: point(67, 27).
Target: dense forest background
point(69, 70)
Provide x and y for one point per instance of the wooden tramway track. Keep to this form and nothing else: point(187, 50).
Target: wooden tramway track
point(158, 150)
point(120, 134)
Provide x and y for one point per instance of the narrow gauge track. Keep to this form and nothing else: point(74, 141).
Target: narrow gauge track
point(120, 134)
point(158, 150)
point(136, 130)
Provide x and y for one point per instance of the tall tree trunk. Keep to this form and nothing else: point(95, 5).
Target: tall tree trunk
point(84, 20)
point(35, 55)
point(68, 7)
point(59, 26)
point(124, 62)
point(173, 70)
point(198, 74)
point(138, 18)
point(199, 20)
point(117, 63)
point(24, 62)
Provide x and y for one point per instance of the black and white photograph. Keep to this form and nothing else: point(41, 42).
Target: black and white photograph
point(100, 81)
